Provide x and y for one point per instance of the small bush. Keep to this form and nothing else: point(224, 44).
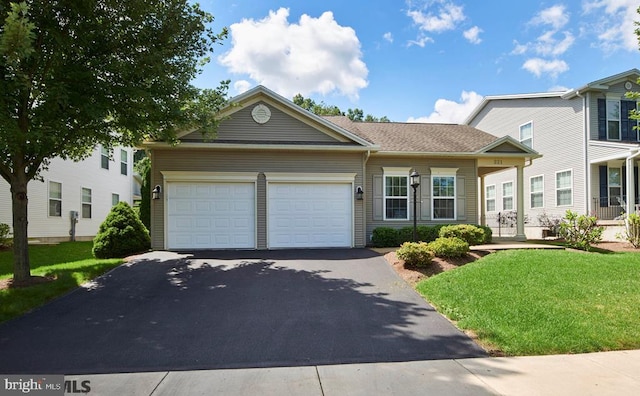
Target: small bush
point(5, 241)
point(415, 253)
point(580, 231)
point(405, 234)
point(385, 237)
point(632, 230)
point(449, 247)
point(472, 234)
point(121, 234)
point(428, 234)
point(488, 234)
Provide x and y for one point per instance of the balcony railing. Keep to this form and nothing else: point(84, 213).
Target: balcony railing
point(611, 208)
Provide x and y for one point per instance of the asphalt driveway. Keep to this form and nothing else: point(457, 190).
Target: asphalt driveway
point(177, 311)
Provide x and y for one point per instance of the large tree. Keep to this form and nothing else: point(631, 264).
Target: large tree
point(77, 73)
point(323, 109)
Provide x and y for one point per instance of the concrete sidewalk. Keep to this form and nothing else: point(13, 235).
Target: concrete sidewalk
point(604, 373)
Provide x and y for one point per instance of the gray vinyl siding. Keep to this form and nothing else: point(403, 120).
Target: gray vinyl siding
point(466, 192)
point(260, 162)
point(280, 128)
point(558, 134)
point(597, 152)
point(615, 91)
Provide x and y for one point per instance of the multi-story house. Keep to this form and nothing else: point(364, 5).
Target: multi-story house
point(86, 190)
point(590, 150)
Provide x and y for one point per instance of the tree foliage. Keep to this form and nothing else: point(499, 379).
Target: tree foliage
point(74, 74)
point(323, 109)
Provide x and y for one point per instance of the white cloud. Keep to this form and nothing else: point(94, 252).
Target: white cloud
point(420, 41)
point(540, 66)
point(615, 26)
point(558, 88)
point(447, 18)
point(388, 37)
point(315, 55)
point(473, 35)
point(450, 112)
point(241, 86)
point(548, 45)
point(555, 16)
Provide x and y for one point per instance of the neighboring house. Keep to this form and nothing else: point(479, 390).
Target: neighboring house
point(590, 151)
point(89, 187)
point(278, 176)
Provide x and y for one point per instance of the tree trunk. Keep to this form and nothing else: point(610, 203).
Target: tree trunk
point(21, 266)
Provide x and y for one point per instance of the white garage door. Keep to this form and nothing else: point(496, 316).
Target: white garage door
point(210, 215)
point(309, 215)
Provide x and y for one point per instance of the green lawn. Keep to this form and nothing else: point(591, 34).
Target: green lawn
point(70, 262)
point(536, 302)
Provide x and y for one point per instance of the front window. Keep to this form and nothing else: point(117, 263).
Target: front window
point(396, 197)
point(615, 186)
point(507, 196)
point(491, 198)
point(55, 199)
point(537, 191)
point(115, 198)
point(613, 119)
point(443, 192)
point(564, 195)
point(526, 134)
point(104, 157)
point(86, 203)
point(124, 162)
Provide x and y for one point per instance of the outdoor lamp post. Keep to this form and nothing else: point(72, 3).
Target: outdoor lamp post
point(415, 182)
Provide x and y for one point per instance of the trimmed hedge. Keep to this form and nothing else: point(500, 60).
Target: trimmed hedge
point(415, 253)
point(449, 247)
point(470, 233)
point(121, 234)
point(392, 237)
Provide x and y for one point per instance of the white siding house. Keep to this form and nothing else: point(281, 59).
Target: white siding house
point(90, 187)
point(589, 146)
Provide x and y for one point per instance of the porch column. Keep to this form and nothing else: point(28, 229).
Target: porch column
point(520, 235)
point(631, 193)
point(483, 209)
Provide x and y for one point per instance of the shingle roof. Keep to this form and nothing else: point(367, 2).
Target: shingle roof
point(417, 137)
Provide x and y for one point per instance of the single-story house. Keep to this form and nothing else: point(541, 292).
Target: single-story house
point(278, 176)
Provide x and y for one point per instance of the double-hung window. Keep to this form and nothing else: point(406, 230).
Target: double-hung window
point(564, 188)
point(396, 195)
point(124, 162)
point(507, 196)
point(443, 193)
point(55, 199)
point(526, 134)
point(536, 191)
point(615, 186)
point(491, 198)
point(86, 203)
point(613, 119)
point(104, 157)
point(115, 198)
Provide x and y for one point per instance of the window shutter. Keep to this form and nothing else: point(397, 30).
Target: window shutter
point(461, 198)
point(604, 188)
point(425, 197)
point(602, 119)
point(378, 197)
point(626, 124)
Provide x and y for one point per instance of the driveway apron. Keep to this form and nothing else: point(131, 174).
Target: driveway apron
point(233, 309)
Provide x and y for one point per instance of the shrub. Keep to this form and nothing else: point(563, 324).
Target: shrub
point(121, 234)
point(488, 234)
point(405, 234)
point(5, 241)
point(449, 247)
point(427, 233)
point(415, 253)
point(580, 232)
point(472, 234)
point(385, 237)
point(632, 231)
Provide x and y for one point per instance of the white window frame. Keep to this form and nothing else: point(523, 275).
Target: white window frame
point(610, 186)
point(490, 198)
point(49, 199)
point(124, 161)
point(444, 172)
point(505, 195)
point(531, 192)
point(530, 138)
point(570, 188)
point(104, 153)
point(115, 199)
point(84, 202)
point(395, 172)
point(618, 120)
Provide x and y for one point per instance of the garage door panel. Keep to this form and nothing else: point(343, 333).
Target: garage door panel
point(210, 215)
point(309, 215)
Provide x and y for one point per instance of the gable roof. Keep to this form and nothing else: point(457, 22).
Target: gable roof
point(419, 137)
point(491, 98)
point(604, 83)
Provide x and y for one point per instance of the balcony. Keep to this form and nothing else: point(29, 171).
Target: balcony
point(611, 208)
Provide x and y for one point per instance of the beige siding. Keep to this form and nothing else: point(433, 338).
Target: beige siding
point(280, 128)
point(467, 192)
point(253, 161)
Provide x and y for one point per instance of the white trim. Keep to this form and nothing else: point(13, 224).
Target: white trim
point(82, 202)
point(487, 198)
point(445, 172)
point(520, 140)
point(507, 196)
point(555, 183)
point(227, 177)
point(606, 107)
point(298, 177)
point(49, 197)
point(619, 168)
point(397, 173)
point(258, 146)
point(536, 192)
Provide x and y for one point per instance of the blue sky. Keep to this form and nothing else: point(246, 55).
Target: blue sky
point(427, 60)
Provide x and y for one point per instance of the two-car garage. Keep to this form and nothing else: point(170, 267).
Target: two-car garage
point(217, 213)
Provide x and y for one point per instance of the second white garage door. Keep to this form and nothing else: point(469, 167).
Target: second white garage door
point(309, 215)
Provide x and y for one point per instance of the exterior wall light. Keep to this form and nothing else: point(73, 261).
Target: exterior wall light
point(359, 193)
point(155, 193)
